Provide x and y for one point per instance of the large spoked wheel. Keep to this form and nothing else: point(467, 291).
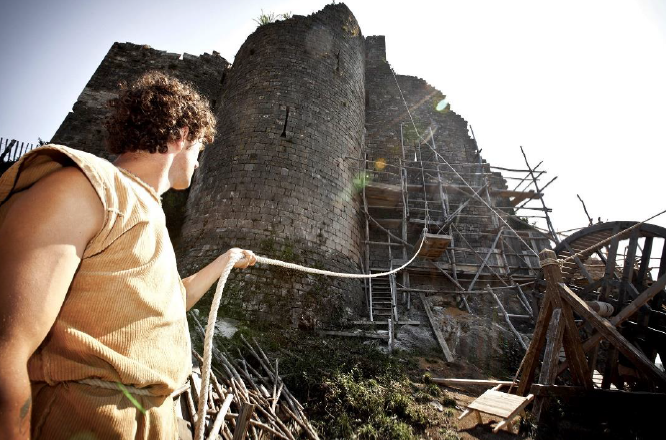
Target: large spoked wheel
point(616, 272)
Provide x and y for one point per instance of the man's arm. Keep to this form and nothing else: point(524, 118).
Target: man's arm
point(41, 245)
point(199, 283)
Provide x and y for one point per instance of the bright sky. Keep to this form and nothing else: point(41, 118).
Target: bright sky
point(579, 84)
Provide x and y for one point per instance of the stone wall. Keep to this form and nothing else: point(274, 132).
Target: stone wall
point(280, 176)
point(83, 128)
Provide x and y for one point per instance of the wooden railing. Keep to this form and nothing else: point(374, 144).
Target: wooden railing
point(11, 149)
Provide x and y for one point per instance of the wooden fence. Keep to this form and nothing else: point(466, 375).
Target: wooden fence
point(11, 149)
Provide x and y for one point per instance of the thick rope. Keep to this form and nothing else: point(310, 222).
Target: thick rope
point(99, 383)
point(300, 268)
point(208, 345)
point(212, 317)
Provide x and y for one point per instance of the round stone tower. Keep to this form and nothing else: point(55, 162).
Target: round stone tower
point(279, 178)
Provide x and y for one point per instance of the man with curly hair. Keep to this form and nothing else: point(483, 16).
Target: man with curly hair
point(90, 298)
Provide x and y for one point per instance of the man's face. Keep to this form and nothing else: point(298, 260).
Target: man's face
point(184, 164)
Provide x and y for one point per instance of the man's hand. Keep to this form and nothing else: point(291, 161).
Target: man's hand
point(198, 284)
point(249, 259)
point(43, 237)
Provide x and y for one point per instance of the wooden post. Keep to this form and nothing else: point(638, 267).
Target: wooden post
point(545, 210)
point(485, 260)
point(243, 421)
point(219, 418)
point(550, 360)
point(390, 332)
point(438, 334)
point(507, 319)
point(628, 270)
point(571, 339)
point(367, 235)
point(572, 343)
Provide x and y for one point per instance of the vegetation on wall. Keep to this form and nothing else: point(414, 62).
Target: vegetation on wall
point(271, 17)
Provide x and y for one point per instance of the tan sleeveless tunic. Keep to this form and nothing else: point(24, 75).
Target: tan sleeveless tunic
point(123, 319)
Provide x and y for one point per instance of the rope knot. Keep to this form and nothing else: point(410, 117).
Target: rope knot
point(549, 262)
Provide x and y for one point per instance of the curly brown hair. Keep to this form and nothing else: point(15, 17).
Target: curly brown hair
point(151, 112)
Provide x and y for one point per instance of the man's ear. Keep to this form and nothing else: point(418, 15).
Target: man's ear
point(179, 144)
point(183, 137)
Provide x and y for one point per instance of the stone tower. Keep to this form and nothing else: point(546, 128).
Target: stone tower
point(280, 175)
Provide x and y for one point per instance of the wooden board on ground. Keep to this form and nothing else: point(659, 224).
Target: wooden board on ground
point(498, 404)
point(434, 246)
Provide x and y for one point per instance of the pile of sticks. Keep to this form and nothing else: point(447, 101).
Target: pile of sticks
point(247, 402)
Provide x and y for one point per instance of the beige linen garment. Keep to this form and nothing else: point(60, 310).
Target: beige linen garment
point(123, 319)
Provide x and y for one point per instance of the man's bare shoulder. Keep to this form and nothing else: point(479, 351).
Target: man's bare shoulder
point(63, 204)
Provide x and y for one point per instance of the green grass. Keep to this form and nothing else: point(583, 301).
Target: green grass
point(349, 388)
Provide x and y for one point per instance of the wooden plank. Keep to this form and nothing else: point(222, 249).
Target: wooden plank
point(576, 392)
point(434, 245)
point(491, 251)
point(391, 340)
point(516, 411)
point(379, 193)
point(219, 418)
point(242, 422)
point(550, 359)
point(628, 270)
point(469, 382)
point(507, 319)
point(551, 356)
point(438, 334)
point(645, 260)
point(610, 264)
point(384, 323)
point(610, 370)
point(497, 403)
point(611, 334)
point(359, 334)
point(531, 358)
point(519, 194)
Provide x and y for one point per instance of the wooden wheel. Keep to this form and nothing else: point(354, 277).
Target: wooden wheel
point(616, 272)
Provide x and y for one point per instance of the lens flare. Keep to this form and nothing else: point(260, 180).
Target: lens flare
point(361, 180)
point(442, 105)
